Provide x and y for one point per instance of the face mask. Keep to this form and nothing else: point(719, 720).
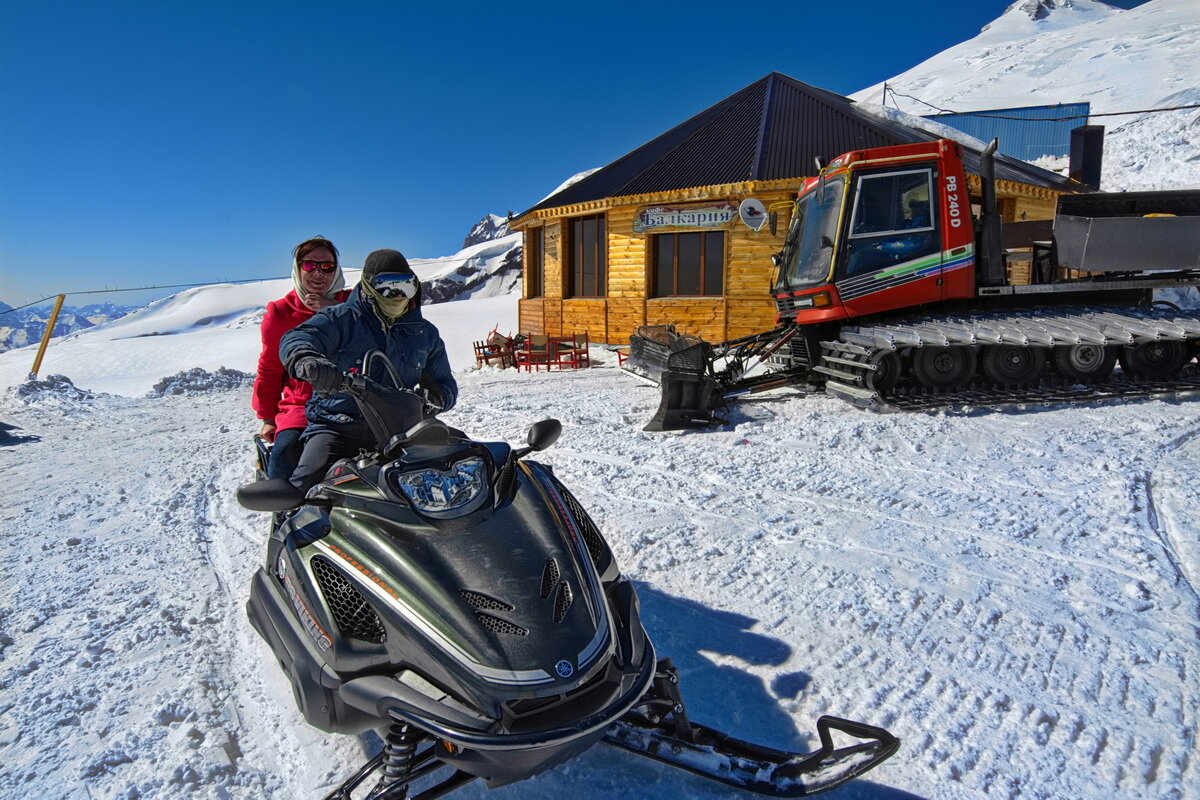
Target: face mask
point(393, 307)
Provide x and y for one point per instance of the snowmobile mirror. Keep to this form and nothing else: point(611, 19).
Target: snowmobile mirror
point(271, 494)
point(541, 435)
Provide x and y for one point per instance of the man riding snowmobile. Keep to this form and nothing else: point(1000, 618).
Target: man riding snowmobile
point(382, 313)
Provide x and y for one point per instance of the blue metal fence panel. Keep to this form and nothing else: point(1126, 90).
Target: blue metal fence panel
point(1025, 133)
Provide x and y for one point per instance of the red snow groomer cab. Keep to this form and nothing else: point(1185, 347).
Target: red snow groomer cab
point(892, 290)
point(908, 238)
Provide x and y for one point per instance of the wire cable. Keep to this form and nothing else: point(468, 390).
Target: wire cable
point(889, 90)
point(140, 289)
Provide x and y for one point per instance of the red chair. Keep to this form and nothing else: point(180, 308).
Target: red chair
point(534, 353)
point(553, 352)
point(570, 352)
point(497, 351)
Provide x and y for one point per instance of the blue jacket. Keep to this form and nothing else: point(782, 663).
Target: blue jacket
point(344, 334)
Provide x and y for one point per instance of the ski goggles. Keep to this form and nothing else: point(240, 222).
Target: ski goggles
point(325, 266)
point(395, 284)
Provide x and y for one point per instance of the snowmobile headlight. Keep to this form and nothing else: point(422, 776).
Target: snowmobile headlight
point(436, 492)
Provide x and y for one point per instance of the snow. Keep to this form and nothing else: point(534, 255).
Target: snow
point(1082, 50)
point(1013, 593)
point(485, 258)
point(571, 181)
point(217, 326)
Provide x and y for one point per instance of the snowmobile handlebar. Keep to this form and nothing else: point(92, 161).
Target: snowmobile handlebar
point(356, 385)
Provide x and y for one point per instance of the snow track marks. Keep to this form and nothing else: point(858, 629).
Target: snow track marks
point(1012, 594)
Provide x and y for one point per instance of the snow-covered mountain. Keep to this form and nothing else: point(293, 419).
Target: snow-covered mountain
point(487, 229)
point(489, 265)
point(27, 325)
point(1043, 52)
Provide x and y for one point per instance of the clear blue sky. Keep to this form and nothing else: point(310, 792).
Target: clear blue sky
point(150, 142)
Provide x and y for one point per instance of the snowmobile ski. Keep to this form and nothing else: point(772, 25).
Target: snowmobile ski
point(659, 729)
point(753, 767)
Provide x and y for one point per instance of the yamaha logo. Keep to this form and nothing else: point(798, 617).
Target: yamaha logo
point(564, 669)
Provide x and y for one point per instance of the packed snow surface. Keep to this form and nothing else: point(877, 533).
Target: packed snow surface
point(1013, 593)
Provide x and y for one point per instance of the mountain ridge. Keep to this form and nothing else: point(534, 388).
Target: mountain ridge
point(1044, 52)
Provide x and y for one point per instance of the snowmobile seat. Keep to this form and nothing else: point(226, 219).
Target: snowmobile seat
point(270, 494)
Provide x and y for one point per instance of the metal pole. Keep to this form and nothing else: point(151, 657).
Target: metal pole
point(991, 260)
point(37, 362)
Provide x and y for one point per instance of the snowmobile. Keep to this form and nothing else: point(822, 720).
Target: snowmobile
point(455, 597)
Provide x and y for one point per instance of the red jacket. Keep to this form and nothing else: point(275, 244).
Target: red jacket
point(277, 396)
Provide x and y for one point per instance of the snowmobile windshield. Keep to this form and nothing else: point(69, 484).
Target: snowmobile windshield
point(808, 251)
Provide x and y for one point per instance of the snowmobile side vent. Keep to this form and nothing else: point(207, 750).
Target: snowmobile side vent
point(353, 614)
point(549, 577)
point(587, 528)
point(497, 625)
point(483, 601)
point(562, 602)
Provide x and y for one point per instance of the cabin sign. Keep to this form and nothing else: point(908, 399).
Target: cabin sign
point(656, 218)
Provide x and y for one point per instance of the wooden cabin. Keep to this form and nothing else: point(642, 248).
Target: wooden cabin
point(655, 237)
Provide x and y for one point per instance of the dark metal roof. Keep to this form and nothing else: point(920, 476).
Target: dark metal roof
point(774, 129)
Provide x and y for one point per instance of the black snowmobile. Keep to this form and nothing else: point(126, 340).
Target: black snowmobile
point(457, 598)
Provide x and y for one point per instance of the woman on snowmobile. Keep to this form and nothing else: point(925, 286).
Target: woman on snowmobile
point(382, 313)
point(279, 399)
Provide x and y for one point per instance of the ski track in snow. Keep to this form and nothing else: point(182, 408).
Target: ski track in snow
point(1013, 594)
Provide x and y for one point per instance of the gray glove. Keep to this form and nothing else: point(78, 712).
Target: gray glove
point(323, 374)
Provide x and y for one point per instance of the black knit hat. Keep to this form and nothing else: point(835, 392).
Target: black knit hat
point(381, 261)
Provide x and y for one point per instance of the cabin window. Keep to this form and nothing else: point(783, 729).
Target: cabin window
point(893, 221)
point(689, 264)
point(535, 263)
point(586, 262)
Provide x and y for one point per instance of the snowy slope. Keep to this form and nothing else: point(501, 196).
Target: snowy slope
point(217, 326)
point(1042, 52)
point(487, 269)
point(1012, 593)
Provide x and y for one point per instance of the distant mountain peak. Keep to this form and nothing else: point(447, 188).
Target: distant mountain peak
point(1054, 13)
point(488, 229)
point(1037, 9)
